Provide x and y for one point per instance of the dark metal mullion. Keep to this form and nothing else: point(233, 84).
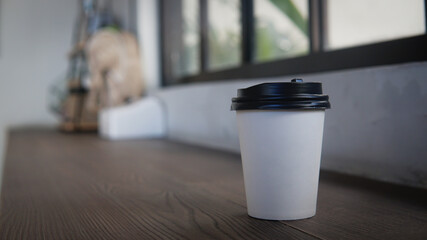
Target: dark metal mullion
point(165, 73)
point(204, 25)
point(317, 26)
point(405, 50)
point(248, 36)
point(425, 14)
point(323, 24)
point(171, 40)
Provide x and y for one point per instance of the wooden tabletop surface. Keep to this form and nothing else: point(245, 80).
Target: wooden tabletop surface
point(59, 186)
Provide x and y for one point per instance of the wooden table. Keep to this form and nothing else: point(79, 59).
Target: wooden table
point(59, 186)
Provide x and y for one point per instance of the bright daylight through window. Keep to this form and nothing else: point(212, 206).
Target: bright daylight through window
point(281, 29)
point(226, 39)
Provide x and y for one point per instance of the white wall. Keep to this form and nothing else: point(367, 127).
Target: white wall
point(35, 37)
point(148, 34)
point(377, 126)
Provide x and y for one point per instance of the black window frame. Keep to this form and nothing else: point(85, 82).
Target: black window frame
point(403, 50)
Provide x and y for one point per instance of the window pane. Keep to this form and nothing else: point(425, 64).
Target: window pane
point(224, 34)
point(351, 23)
point(186, 60)
point(281, 29)
point(191, 36)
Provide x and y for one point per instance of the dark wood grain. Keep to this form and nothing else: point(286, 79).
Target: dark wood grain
point(60, 186)
point(80, 187)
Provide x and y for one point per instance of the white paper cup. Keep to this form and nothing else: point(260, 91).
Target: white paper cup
point(280, 132)
point(281, 152)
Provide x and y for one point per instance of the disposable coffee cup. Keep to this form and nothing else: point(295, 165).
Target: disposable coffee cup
point(280, 132)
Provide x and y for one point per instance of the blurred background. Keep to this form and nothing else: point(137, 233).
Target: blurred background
point(169, 68)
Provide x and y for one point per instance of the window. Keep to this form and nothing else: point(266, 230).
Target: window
point(352, 23)
point(224, 34)
point(281, 29)
point(188, 58)
point(184, 47)
point(205, 40)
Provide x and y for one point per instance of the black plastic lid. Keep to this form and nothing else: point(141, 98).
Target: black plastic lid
point(282, 95)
